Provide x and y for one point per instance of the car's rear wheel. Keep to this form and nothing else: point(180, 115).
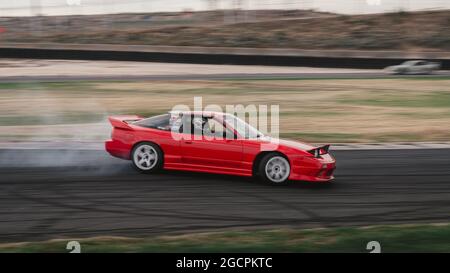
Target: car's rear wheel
point(274, 169)
point(147, 157)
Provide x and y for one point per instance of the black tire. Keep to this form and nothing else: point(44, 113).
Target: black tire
point(148, 165)
point(264, 175)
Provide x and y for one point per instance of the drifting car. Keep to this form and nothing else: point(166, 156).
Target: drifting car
point(413, 67)
point(215, 142)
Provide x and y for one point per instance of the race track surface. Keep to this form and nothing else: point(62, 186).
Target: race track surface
point(229, 76)
point(73, 193)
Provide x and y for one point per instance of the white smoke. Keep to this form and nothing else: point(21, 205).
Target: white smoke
point(51, 130)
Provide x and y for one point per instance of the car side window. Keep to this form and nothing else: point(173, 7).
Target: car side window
point(191, 124)
point(198, 125)
point(161, 122)
point(217, 129)
point(176, 123)
point(205, 126)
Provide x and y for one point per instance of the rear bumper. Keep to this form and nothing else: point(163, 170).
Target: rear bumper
point(118, 149)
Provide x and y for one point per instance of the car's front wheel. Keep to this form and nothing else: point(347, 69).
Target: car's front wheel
point(274, 168)
point(147, 157)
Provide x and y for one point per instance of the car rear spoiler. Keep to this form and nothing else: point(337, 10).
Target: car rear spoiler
point(123, 122)
point(322, 150)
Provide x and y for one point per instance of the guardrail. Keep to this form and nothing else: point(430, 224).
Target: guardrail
point(220, 55)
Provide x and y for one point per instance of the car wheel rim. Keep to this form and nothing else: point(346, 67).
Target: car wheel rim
point(277, 169)
point(145, 157)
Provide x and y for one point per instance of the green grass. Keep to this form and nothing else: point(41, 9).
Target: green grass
point(408, 238)
point(75, 85)
point(387, 77)
point(444, 113)
point(433, 100)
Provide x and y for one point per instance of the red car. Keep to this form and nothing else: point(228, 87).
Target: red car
point(215, 142)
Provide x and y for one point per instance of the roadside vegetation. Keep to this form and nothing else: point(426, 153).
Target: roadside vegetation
point(406, 238)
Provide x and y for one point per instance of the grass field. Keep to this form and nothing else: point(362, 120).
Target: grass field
point(325, 110)
point(409, 238)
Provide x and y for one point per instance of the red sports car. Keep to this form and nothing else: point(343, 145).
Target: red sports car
point(215, 142)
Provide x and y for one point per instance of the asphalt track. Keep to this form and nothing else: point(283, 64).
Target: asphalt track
point(81, 193)
point(377, 74)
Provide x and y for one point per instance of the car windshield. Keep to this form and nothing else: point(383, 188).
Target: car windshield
point(243, 128)
point(411, 63)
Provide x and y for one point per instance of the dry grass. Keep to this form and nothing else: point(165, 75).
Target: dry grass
point(366, 110)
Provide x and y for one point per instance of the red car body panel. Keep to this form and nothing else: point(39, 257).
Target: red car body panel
point(221, 156)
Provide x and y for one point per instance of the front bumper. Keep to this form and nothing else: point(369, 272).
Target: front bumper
point(313, 169)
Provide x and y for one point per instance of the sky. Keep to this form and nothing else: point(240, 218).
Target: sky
point(64, 7)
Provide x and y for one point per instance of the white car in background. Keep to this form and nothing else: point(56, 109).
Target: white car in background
point(414, 67)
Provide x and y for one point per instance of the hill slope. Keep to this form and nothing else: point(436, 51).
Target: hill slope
point(275, 29)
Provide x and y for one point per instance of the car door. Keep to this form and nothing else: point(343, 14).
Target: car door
point(419, 67)
point(207, 146)
point(157, 129)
